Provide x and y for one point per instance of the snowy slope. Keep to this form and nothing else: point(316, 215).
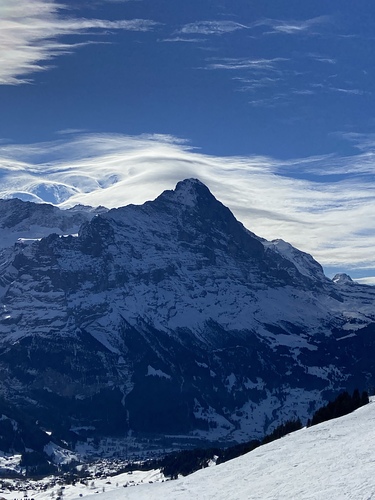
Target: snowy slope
point(332, 460)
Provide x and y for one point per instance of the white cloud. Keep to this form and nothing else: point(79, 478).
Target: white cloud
point(211, 28)
point(327, 60)
point(346, 91)
point(307, 26)
point(303, 92)
point(30, 34)
point(254, 84)
point(370, 280)
point(363, 142)
point(259, 76)
point(332, 220)
point(240, 64)
point(183, 40)
point(276, 100)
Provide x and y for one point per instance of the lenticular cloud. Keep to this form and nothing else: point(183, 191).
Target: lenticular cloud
point(329, 219)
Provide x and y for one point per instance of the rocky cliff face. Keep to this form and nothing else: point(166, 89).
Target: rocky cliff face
point(172, 318)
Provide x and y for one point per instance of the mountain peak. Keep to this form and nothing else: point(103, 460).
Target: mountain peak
point(189, 182)
point(342, 278)
point(173, 298)
point(187, 193)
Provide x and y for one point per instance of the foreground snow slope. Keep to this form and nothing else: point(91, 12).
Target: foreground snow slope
point(333, 460)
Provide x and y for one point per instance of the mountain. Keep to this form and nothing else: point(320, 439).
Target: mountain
point(331, 460)
point(171, 320)
point(24, 221)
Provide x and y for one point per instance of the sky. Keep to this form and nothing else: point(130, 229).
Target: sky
point(269, 103)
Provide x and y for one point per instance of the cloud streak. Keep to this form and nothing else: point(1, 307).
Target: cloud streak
point(179, 39)
point(30, 36)
point(245, 64)
point(329, 219)
point(211, 28)
point(301, 27)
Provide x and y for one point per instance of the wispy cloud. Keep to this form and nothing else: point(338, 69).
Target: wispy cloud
point(346, 91)
point(333, 218)
point(255, 84)
point(180, 39)
point(266, 79)
point(275, 81)
point(342, 90)
point(271, 102)
point(305, 27)
point(363, 142)
point(68, 131)
point(31, 32)
point(303, 92)
point(368, 280)
point(240, 64)
point(327, 60)
point(211, 28)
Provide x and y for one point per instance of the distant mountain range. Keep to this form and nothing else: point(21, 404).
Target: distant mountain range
point(170, 320)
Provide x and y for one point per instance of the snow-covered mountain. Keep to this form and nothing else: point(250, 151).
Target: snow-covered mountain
point(171, 318)
point(27, 221)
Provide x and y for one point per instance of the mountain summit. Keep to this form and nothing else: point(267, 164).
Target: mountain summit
point(172, 318)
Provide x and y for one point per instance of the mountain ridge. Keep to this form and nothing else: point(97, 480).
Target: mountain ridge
point(181, 320)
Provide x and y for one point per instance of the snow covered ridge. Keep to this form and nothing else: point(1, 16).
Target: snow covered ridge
point(227, 334)
point(26, 221)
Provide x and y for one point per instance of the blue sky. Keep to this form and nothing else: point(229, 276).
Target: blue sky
point(270, 103)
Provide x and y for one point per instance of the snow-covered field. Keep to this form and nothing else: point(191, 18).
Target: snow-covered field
point(334, 460)
point(55, 488)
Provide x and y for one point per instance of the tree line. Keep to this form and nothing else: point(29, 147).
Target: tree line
point(342, 405)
